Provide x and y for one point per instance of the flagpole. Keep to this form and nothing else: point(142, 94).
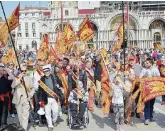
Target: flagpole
point(128, 41)
point(61, 15)
point(15, 51)
point(123, 33)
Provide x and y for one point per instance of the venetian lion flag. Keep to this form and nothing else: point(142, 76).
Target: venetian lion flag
point(13, 22)
point(44, 48)
point(85, 32)
point(70, 36)
point(105, 82)
point(150, 88)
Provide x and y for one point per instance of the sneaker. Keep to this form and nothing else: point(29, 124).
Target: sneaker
point(13, 115)
point(121, 128)
point(55, 124)
point(138, 115)
point(163, 103)
point(146, 122)
point(50, 129)
point(152, 120)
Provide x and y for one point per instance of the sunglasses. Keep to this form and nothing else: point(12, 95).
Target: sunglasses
point(23, 71)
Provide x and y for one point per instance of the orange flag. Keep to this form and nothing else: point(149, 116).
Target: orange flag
point(70, 36)
point(13, 22)
point(44, 48)
point(105, 82)
point(52, 55)
point(85, 32)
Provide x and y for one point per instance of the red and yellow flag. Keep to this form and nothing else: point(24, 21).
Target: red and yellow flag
point(150, 88)
point(10, 57)
point(105, 82)
point(52, 55)
point(13, 22)
point(85, 32)
point(44, 48)
point(69, 36)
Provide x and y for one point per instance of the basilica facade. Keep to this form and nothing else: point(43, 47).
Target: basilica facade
point(146, 24)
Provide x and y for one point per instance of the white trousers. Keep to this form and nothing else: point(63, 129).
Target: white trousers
point(23, 112)
point(51, 106)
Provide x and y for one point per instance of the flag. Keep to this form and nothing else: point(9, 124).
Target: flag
point(13, 22)
point(150, 88)
point(52, 55)
point(44, 48)
point(85, 32)
point(105, 82)
point(120, 32)
point(10, 57)
point(70, 37)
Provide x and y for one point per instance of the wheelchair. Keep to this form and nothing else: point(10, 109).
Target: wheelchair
point(85, 119)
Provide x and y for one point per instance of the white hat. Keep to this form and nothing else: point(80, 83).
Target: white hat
point(2, 65)
point(163, 58)
point(23, 68)
point(46, 67)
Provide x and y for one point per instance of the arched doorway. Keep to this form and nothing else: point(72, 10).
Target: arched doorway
point(34, 44)
point(157, 24)
point(130, 34)
point(158, 29)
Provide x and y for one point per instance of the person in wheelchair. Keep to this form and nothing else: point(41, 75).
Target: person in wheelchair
point(78, 101)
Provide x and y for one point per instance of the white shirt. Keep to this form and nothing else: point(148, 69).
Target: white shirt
point(117, 94)
point(149, 72)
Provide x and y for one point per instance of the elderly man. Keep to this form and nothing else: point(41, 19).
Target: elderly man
point(21, 98)
point(51, 102)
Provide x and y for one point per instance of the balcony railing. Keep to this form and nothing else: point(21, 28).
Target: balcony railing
point(151, 13)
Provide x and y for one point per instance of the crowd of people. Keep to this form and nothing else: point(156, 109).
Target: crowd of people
point(46, 90)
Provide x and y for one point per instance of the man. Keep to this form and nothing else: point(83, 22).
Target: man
point(162, 74)
point(37, 76)
point(97, 76)
point(4, 96)
point(149, 71)
point(21, 98)
point(51, 103)
point(65, 63)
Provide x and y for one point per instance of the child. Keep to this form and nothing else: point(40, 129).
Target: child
point(118, 88)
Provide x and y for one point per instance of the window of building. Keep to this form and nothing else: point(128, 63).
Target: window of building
point(157, 37)
point(33, 14)
point(19, 27)
point(27, 47)
point(34, 34)
point(25, 14)
point(20, 47)
point(19, 35)
point(33, 26)
point(26, 26)
point(66, 12)
point(27, 34)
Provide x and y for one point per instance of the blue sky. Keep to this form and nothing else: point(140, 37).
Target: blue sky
point(9, 6)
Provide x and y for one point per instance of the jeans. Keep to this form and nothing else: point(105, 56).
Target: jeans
point(163, 98)
point(148, 109)
point(4, 111)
